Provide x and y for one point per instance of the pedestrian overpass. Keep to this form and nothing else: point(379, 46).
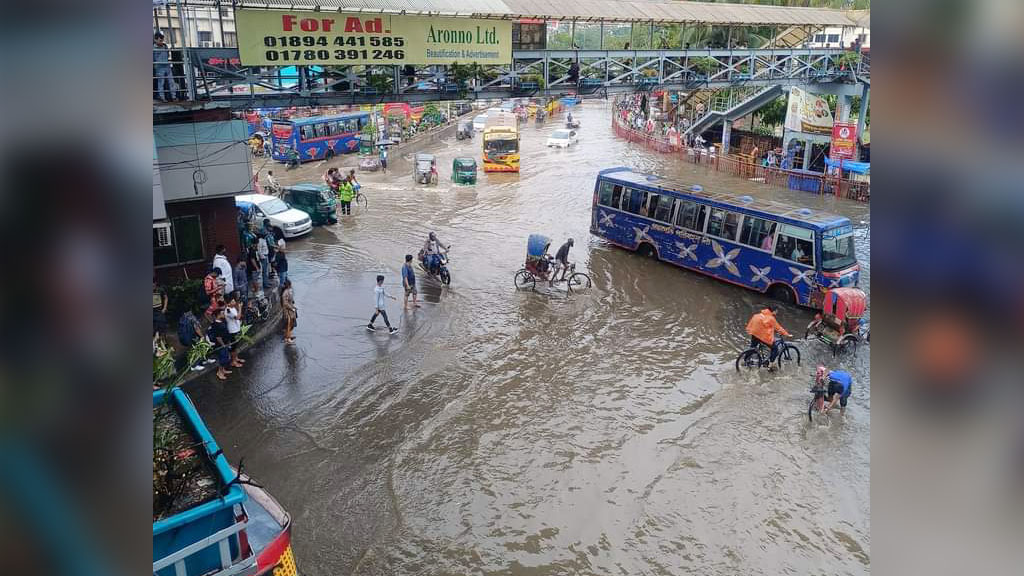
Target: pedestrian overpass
point(588, 47)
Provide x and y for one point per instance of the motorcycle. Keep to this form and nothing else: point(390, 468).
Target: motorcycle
point(441, 272)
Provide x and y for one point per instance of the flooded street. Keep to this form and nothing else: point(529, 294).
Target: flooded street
point(505, 432)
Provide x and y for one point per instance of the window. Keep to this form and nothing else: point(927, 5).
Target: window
point(636, 202)
point(833, 37)
point(230, 39)
point(662, 207)
point(307, 132)
point(616, 195)
point(819, 37)
point(795, 244)
point(186, 243)
point(691, 216)
point(757, 232)
point(604, 194)
point(320, 130)
point(837, 252)
point(723, 224)
point(205, 36)
point(350, 125)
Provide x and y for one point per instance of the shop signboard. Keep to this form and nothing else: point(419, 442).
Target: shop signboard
point(844, 141)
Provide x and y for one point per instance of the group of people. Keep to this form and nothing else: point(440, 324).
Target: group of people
point(836, 384)
point(430, 255)
point(343, 187)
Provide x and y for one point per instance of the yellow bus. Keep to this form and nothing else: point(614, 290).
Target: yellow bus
point(501, 142)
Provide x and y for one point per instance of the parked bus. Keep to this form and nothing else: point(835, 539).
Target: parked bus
point(501, 142)
point(319, 137)
point(790, 253)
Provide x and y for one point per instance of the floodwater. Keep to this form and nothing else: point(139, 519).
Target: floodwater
point(505, 432)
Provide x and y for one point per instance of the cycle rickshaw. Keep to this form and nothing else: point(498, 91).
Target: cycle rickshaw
point(841, 323)
point(540, 266)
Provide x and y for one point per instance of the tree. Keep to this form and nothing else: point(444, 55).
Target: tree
point(773, 113)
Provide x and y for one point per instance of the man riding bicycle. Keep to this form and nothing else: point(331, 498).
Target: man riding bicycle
point(840, 385)
point(561, 261)
point(762, 328)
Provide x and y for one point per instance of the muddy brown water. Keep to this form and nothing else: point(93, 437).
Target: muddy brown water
point(505, 432)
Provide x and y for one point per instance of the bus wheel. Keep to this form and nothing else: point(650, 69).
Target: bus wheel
point(646, 250)
point(781, 293)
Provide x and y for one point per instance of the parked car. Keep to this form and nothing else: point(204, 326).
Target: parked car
point(285, 219)
point(562, 138)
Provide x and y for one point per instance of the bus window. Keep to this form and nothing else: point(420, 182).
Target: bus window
point(795, 244)
point(307, 132)
point(691, 216)
point(636, 202)
point(320, 130)
point(663, 210)
point(757, 232)
point(723, 224)
point(604, 194)
point(616, 196)
point(351, 125)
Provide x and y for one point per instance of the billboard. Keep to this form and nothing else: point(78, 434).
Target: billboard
point(844, 141)
point(808, 113)
point(284, 38)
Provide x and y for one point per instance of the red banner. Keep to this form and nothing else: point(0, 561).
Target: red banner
point(844, 141)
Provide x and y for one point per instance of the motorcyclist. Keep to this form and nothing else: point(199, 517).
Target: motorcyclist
point(762, 328)
point(432, 253)
point(293, 158)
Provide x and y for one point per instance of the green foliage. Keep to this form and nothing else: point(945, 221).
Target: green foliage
point(704, 64)
point(773, 113)
point(181, 297)
point(848, 59)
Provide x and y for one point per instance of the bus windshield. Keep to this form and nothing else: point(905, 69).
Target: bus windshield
point(837, 252)
point(501, 146)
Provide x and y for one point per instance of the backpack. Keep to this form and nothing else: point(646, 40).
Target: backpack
point(186, 331)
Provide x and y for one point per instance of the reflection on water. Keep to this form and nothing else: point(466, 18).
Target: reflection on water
point(534, 433)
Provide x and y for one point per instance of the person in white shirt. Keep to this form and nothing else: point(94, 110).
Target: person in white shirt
point(272, 187)
point(220, 262)
point(378, 310)
point(263, 251)
point(797, 253)
point(281, 261)
point(233, 318)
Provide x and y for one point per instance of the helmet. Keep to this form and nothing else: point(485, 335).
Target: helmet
point(571, 243)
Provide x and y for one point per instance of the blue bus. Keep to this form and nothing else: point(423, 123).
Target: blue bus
point(790, 253)
point(318, 137)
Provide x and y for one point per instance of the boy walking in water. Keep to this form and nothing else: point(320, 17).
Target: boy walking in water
point(379, 295)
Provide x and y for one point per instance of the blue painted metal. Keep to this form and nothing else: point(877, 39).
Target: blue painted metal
point(726, 260)
point(185, 528)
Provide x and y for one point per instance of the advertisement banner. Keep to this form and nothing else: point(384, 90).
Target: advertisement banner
point(844, 140)
point(281, 38)
point(807, 113)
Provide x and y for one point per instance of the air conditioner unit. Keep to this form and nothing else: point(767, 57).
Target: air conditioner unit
point(162, 234)
point(205, 44)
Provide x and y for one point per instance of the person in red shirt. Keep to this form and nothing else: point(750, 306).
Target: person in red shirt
point(762, 328)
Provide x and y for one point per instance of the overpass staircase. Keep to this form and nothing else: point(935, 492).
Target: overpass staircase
point(734, 106)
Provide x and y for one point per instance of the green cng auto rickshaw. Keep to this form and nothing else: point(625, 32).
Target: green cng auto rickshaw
point(365, 144)
point(317, 200)
point(464, 171)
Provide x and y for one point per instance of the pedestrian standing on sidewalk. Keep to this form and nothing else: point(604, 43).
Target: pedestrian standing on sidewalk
point(233, 319)
point(213, 289)
point(409, 282)
point(253, 268)
point(241, 278)
point(159, 307)
point(281, 260)
point(218, 334)
point(220, 261)
point(379, 295)
point(263, 252)
point(290, 311)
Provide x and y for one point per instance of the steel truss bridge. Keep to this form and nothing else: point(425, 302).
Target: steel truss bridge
point(215, 75)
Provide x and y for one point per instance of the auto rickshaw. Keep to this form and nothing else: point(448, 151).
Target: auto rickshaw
point(464, 171)
point(317, 200)
point(365, 144)
point(426, 169)
point(464, 131)
point(841, 323)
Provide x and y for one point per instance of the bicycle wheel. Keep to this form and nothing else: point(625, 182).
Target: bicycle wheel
point(578, 282)
point(361, 200)
point(748, 359)
point(789, 353)
point(525, 280)
point(846, 347)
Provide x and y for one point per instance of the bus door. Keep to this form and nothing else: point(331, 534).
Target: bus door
point(689, 247)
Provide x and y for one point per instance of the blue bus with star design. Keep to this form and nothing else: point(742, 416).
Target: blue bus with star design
point(791, 253)
point(319, 137)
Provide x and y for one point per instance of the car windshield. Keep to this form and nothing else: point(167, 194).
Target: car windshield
point(273, 206)
point(560, 134)
point(837, 253)
point(500, 146)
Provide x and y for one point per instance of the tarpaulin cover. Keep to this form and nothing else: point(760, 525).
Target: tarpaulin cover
point(536, 244)
point(858, 167)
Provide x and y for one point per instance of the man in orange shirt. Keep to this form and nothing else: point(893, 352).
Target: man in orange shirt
point(762, 328)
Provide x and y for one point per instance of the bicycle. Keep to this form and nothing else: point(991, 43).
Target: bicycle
point(575, 281)
point(817, 402)
point(759, 356)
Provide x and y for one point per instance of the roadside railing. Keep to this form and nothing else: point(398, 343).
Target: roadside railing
point(742, 166)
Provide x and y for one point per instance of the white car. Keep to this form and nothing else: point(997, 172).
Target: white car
point(288, 220)
point(563, 138)
point(479, 122)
